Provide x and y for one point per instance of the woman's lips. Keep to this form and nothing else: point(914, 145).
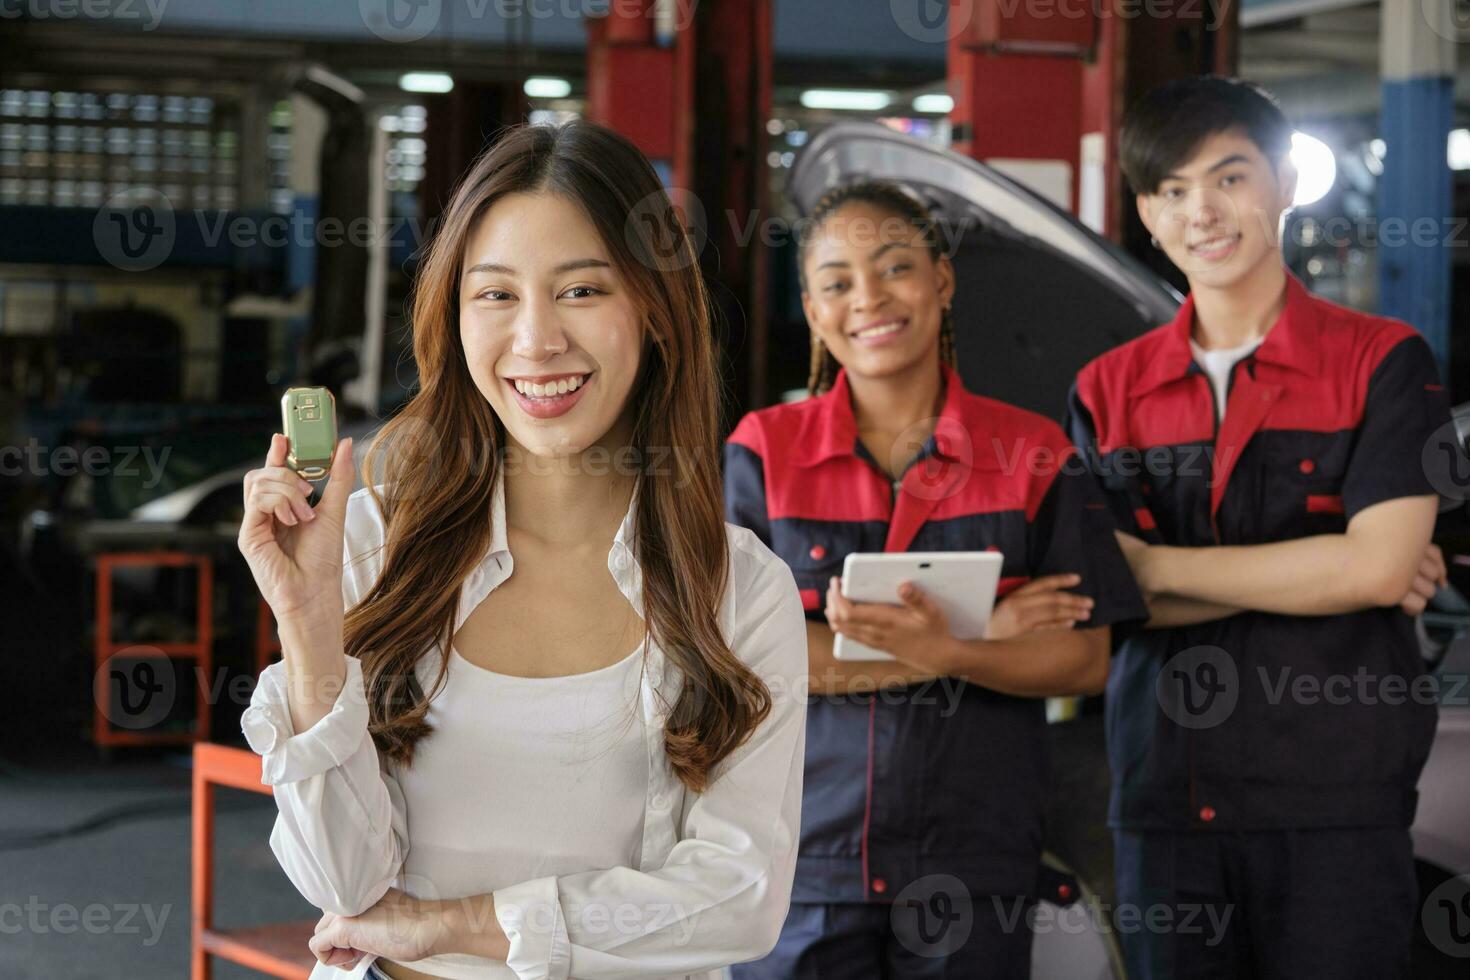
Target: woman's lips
point(549, 408)
point(885, 337)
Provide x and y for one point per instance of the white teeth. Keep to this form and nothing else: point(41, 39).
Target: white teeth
point(879, 331)
point(550, 389)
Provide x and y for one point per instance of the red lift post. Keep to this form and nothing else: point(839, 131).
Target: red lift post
point(1041, 89)
point(699, 105)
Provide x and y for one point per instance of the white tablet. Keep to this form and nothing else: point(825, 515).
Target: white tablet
point(961, 583)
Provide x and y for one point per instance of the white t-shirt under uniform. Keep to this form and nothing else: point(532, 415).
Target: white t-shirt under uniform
point(1218, 363)
point(554, 794)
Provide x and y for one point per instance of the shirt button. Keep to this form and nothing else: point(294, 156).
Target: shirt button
point(879, 885)
point(818, 552)
point(1207, 813)
point(1306, 466)
point(659, 802)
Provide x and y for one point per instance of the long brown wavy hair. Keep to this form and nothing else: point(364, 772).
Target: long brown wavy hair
point(440, 453)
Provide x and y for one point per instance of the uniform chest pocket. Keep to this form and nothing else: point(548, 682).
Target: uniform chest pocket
point(1300, 483)
point(815, 550)
point(1173, 484)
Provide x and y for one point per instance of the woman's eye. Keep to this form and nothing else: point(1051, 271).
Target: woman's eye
point(494, 295)
point(1229, 179)
point(896, 269)
point(1172, 193)
point(583, 292)
point(834, 287)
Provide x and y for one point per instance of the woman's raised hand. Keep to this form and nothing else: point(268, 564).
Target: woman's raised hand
point(295, 551)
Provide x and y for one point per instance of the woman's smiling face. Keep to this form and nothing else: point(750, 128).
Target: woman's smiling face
point(875, 293)
point(552, 336)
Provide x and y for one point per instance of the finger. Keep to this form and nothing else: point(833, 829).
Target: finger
point(291, 491)
point(1047, 583)
point(280, 445)
point(841, 604)
point(1441, 570)
point(278, 505)
point(876, 614)
point(918, 602)
point(866, 635)
point(1424, 586)
point(339, 481)
point(1054, 605)
point(1413, 604)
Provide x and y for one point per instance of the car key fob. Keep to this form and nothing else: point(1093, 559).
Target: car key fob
point(309, 420)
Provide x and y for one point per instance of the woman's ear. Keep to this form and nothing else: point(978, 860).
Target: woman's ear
point(944, 269)
point(808, 309)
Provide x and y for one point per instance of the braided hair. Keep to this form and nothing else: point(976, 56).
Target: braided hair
point(891, 198)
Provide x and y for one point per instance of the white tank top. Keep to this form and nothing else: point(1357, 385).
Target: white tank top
point(524, 777)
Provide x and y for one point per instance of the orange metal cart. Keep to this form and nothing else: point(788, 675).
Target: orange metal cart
point(278, 949)
point(105, 734)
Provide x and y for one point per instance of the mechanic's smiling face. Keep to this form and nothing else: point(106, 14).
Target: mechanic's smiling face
point(1218, 215)
point(875, 292)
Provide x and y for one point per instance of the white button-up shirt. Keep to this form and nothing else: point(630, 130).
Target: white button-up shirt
point(713, 880)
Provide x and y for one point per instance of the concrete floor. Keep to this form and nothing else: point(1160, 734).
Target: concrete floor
point(114, 902)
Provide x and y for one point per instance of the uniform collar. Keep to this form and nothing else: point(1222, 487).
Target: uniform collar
point(495, 567)
point(1292, 342)
point(831, 430)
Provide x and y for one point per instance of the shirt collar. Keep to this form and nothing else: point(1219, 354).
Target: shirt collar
point(1292, 342)
point(621, 560)
point(831, 430)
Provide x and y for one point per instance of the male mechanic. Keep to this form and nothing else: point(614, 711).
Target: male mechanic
point(1263, 455)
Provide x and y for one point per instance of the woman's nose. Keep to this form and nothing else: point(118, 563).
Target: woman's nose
point(537, 334)
point(868, 294)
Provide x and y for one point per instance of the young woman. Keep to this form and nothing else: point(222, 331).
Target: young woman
point(541, 724)
point(921, 827)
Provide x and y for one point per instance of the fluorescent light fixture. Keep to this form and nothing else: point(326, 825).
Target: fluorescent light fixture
point(426, 81)
point(1458, 151)
point(1316, 168)
point(934, 102)
point(860, 100)
point(546, 87)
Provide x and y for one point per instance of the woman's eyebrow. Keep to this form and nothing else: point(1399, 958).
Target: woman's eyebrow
point(873, 257)
point(572, 266)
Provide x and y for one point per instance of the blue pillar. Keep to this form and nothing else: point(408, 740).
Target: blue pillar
point(1415, 215)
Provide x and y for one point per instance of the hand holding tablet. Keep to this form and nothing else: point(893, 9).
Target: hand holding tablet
point(961, 583)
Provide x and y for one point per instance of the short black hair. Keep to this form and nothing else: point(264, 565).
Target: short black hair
point(1164, 128)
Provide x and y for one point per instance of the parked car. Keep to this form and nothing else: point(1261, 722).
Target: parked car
point(219, 499)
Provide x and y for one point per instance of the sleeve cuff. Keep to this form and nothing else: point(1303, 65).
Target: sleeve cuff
point(530, 915)
point(286, 756)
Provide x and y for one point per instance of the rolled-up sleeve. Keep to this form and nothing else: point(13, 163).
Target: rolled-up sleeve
point(341, 828)
point(722, 894)
point(340, 833)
